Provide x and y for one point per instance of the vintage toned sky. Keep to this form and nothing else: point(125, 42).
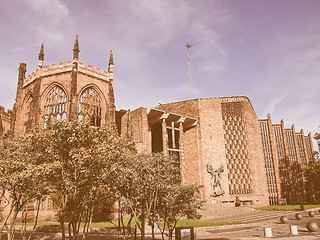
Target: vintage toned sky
point(268, 50)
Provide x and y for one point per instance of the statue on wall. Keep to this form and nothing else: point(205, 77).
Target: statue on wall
point(216, 179)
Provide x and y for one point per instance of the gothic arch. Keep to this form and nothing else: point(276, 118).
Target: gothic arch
point(27, 111)
point(92, 105)
point(26, 97)
point(55, 102)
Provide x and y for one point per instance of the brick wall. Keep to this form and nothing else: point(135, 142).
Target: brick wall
point(206, 143)
point(141, 132)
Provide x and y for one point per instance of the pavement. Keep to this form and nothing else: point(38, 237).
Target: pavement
point(254, 227)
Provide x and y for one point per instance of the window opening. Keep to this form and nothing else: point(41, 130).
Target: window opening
point(28, 114)
point(90, 107)
point(173, 140)
point(56, 105)
point(156, 135)
point(173, 136)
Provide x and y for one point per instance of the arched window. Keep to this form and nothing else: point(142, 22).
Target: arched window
point(56, 104)
point(90, 107)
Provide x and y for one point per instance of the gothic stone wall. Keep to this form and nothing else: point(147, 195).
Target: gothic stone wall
point(31, 98)
point(5, 120)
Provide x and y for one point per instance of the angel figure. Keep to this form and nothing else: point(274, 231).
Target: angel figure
point(216, 179)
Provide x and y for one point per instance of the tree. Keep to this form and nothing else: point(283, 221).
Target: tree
point(312, 174)
point(150, 186)
point(78, 161)
point(82, 167)
point(179, 201)
point(21, 181)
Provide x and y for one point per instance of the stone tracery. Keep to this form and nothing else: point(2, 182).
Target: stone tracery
point(90, 106)
point(56, 104)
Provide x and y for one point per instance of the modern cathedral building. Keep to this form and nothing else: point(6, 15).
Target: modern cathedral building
point(219, 142)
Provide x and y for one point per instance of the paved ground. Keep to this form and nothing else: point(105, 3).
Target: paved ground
point(255, 230)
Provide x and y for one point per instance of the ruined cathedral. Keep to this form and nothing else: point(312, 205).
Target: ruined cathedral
point(220, 142)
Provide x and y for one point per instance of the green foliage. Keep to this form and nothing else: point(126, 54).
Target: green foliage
point(73, 161)
point(79, 161)
point(85, 169)
point(312, 175)
point(150, 188)
point(21, 180)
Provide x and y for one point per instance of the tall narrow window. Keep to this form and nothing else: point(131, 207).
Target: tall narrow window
point(27, 109)
point(90, 107)
point(56, 104)
point(173, 140)
point(173, 136)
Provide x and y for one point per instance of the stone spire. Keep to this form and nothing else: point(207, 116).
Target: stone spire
point(111, 106)
point(22, 71)
point(111, 58)
point(41, 55)
point(76, 49)
point(110, 68)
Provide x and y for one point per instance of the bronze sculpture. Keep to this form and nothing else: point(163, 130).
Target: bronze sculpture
point(216, 179)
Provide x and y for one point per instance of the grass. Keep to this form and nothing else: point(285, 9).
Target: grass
point(40, 224)
point(94, 224)
point(287, 208)
point(181, 223)
point(185, 222)
point(195, 223)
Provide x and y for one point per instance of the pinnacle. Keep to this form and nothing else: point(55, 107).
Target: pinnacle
point(111, 58)
point(76, 49)
point(41, 54)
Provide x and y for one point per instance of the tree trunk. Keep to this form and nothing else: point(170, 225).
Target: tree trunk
point(4, 223)
point(24, 223)
point(62, 229)
point(74, 229)
point(143, 226)
point(11, 229)
point(35, 220)
point(69, 230)
point(129, 227)
point(152, 230)
point(123, 226)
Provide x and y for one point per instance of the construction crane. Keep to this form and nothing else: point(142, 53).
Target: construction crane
point(188, 45)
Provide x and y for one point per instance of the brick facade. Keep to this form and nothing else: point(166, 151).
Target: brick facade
point(218, 139)
point(286, 154)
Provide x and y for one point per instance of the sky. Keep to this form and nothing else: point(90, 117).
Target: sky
point(267, 50)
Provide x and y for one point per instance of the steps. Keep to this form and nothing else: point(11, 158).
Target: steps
point(243, 214)
point(256, 216)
